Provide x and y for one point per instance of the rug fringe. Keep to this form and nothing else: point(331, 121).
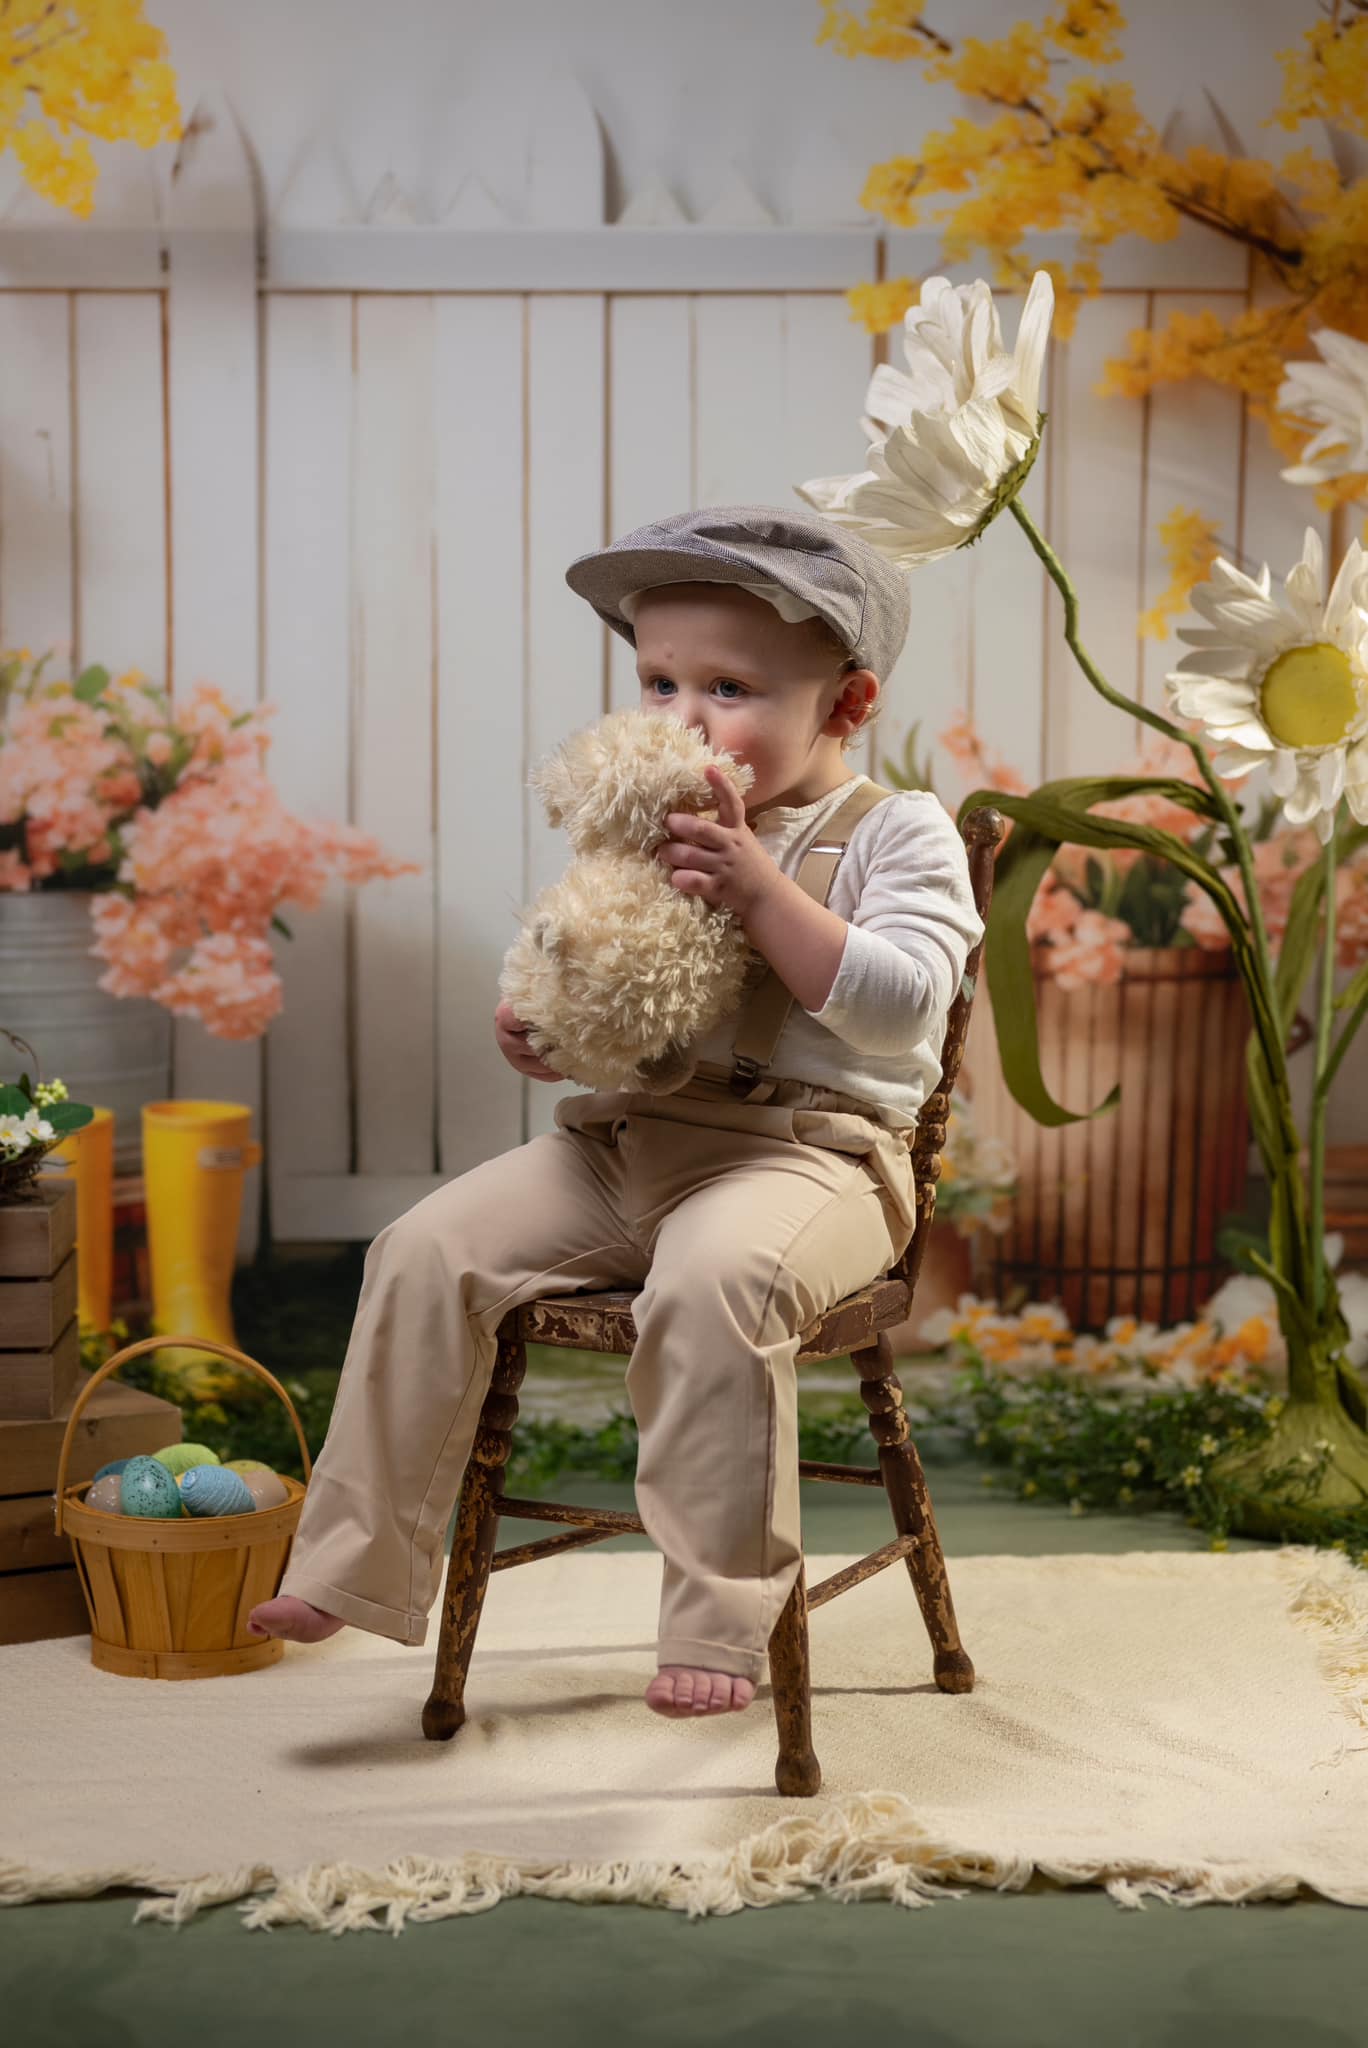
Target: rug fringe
point(866, 1845)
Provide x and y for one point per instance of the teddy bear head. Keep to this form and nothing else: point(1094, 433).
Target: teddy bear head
point(611, 785)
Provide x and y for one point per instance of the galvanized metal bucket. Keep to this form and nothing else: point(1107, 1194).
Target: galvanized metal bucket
point(114, 1050)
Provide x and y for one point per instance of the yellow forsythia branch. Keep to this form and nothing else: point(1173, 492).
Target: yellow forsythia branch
point(1192, 545)
point(93, 66)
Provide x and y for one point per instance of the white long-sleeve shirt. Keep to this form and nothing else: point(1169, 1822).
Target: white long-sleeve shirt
point(902, 886)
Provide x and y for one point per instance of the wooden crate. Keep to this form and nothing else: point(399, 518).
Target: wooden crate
point(40, 1594)
point(35, 1385)
point(40, 1352)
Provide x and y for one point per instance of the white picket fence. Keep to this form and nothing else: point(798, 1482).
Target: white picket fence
point(343, 465)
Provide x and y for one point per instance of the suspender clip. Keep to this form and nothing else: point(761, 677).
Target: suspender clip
point(745, 1072)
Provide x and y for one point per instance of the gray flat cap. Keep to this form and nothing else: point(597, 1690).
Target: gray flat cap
point(862, 597)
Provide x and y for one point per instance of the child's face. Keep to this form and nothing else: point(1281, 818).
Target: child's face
point(771, 693)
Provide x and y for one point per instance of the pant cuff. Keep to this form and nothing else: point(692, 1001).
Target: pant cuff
point(410, 1630)
point(702, 1655)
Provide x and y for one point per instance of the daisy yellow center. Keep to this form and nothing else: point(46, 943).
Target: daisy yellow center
point(1308, 697)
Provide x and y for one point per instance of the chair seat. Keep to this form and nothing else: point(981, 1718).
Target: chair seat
point(602, 1321)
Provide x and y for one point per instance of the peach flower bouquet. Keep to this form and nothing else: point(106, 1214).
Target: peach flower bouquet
point(1093, 904)
point(165, 813)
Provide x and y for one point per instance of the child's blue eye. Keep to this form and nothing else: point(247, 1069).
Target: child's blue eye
point(725, 681)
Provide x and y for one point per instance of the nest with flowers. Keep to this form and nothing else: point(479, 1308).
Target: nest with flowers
point(35, 1117)
point(166, 814)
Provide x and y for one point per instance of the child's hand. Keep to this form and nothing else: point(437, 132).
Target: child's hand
point(510, 1035)
point(719, 859)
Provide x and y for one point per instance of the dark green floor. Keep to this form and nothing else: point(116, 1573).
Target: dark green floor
point(1034, 1969)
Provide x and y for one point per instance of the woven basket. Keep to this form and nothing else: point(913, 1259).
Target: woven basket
point(170, 1599)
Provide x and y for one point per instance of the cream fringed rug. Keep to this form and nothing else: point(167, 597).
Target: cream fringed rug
point(1192, 1727)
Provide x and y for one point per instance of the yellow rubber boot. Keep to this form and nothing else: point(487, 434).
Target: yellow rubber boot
point(194, 1157)
point(88, 1156)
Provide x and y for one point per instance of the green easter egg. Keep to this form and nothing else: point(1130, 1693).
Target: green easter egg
point(147, 1488)
point(245, 1465)
point(178, 1458)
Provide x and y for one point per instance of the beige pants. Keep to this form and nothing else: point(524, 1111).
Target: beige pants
point(740, 1222)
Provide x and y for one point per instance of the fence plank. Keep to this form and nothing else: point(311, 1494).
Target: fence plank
point(35, 473)
point(121, 490)
point(393, 512)
point(1192, 458)
point(1012, 607)
point(741, 450)
point(478, 432)
point(306, 644)
point(565, 512)
point(650, 436)
point(212, 399)
point(1095, 494)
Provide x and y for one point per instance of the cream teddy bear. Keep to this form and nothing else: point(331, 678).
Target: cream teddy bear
point(615, 970)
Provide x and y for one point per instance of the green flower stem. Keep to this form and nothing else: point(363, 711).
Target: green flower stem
point(1297, 1253)
point(1272, 1044)
point(1320, 1098)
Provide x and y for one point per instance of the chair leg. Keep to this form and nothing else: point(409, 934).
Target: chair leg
point(472, 1545)
point(797, 1773)
point(905, 1483)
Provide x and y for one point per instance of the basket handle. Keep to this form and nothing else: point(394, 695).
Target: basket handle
point(131, 1351)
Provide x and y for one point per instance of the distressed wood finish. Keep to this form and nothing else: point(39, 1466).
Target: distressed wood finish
point(472, 1546)
point(797, 1773)
point(859, 1325)
point(905, 1484)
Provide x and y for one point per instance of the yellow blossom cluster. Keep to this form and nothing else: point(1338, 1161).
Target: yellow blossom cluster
point(1039, 1338)
point(1073, 153)
point(1192, 543)
point(94, 67)
point(1328, 80)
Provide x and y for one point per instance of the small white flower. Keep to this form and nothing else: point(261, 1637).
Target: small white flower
point(953, 437)
point(14, 1131)
point(1284, 685)
point(38, 1127)
point(1334, 395)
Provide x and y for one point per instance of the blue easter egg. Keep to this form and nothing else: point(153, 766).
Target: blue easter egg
point(214, 1490)
point(147, 1488)
point(115, 1465)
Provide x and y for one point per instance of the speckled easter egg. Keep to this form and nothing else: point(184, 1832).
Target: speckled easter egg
point(179, 1458)
point(147, 1488)
point(106, 1495)
point(214, 1490)
point(266, 1487)
point(115, 1466)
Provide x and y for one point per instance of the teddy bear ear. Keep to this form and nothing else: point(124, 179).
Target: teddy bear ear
point(555, 783)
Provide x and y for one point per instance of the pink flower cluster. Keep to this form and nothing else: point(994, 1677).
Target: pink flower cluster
point(201, 872)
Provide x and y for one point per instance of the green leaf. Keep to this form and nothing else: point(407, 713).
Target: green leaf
point(1301, 943)
point(13, 1102)
point(1355, 992)
point(69, 1116)
point(1011, 984)
point(278, 924)
point(1058, 814)
point(90, 684)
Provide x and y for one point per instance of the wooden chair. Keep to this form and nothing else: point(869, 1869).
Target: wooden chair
point(858, 1325)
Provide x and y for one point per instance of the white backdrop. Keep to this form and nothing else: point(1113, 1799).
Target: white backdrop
point(429, 308)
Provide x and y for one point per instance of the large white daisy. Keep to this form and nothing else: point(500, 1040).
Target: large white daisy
point(1284, 685)
point(951, 438)
point(1334, 395)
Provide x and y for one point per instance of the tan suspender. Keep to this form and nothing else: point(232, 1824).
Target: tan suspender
point(765, 1015)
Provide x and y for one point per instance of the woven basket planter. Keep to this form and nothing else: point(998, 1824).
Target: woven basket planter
point(1117, 1215)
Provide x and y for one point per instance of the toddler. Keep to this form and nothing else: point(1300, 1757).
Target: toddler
point(742, 1205)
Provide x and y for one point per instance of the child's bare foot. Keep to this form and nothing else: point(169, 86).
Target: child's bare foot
point(679, 1691)
point(293, 1619)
